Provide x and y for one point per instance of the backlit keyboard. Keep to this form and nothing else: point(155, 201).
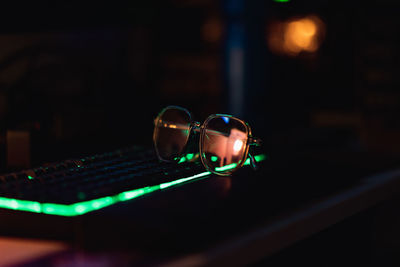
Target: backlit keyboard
point(74, 187)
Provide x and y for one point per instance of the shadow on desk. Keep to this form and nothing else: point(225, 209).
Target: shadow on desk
point(370, 238)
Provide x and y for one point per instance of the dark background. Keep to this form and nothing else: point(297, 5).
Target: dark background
point(85, 78)
point(88, 78)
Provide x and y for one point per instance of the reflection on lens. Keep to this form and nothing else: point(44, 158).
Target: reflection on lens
point(171, 132)
point(224, 142)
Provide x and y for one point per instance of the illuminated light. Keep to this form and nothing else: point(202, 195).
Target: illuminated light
point(99, 203)
point(237, 146)
point(214, 158)
point(27, 205)
point(260, 157)
point(79, 208)
point(185, 131)
point(296, 35)
point(226, 119)
point(24, 205)
point(282, 1)
point(187, 157)
point(14, 204)
point(59, 209)
point(212, 30)
point(30, 177)
point(179, 181)
point(169, 125)
point(299, 36)
point(231, 166)
point(226, 167)
point(31, 206)
point(96, 205)
point(135, 193)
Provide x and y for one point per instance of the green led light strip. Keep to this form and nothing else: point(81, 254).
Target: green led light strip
point(83, 207)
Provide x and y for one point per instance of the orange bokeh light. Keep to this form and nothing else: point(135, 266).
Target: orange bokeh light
point(296, 35)
point(212, 30)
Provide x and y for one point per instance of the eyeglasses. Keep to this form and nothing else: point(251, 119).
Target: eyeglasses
point(224, 139)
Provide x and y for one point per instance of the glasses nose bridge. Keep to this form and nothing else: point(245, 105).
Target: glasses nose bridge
point(195, 126)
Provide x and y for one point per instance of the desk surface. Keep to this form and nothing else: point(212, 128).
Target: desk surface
point(19, 251)
point(267, 238)
point(286, 229)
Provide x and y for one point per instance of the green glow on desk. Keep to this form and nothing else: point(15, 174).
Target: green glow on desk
point(16, 204)
point(282, 1)
point(183, 159)
point(169, 184)
point(259, 158)
point(226, 167)
point(83, 207)
point(127, 195)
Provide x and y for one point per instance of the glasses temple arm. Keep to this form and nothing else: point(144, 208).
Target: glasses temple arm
point(196, 127)
point(253, 141)
point(253, 162)
point(180, 126)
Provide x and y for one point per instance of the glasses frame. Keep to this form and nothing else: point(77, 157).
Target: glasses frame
point(197, 127)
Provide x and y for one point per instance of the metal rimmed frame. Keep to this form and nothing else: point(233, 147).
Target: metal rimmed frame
point(203, 133)
point(156, 127)
point(195, 126)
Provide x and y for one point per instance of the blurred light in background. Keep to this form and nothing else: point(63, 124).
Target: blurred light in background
point(212, 30)
point(296, 35)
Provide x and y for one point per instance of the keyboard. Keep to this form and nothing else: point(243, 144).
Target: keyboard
point(112, 198)
point(78, 186)
point(111, 194)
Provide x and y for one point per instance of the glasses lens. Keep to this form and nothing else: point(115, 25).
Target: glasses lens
point(171, 132)
point(224, 144)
